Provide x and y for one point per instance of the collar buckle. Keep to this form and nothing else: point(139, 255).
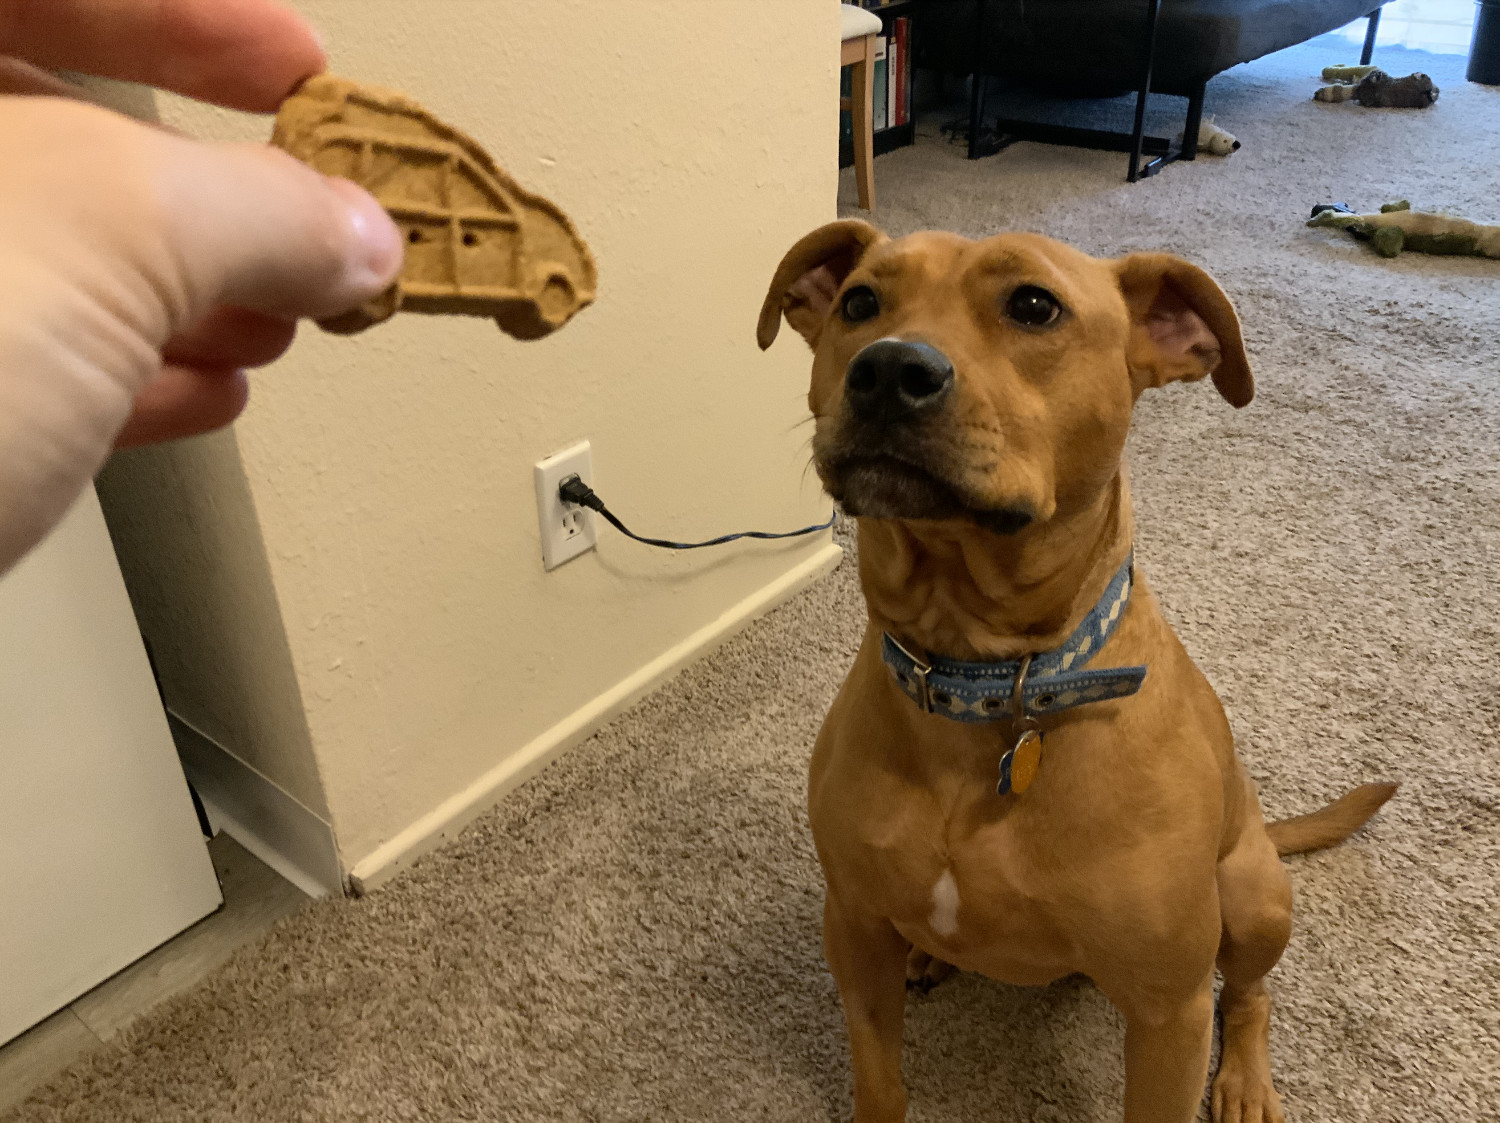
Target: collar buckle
point(919, 672)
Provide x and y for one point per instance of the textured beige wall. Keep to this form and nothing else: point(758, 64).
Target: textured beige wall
point(390, 474)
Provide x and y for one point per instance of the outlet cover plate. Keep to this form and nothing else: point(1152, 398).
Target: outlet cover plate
point(567, 529)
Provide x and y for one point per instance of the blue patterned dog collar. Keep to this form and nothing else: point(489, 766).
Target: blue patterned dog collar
point(982, 691)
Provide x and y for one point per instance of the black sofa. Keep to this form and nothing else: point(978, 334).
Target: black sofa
point(1103, 48)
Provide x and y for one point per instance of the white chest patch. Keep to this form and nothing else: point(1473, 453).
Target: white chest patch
point(944, 918)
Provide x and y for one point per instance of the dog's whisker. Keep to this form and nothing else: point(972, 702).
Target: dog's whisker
point(806, 468)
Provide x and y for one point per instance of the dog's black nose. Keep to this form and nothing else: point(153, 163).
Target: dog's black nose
point(894, 378)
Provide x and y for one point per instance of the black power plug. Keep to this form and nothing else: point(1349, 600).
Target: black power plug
point(573, 490)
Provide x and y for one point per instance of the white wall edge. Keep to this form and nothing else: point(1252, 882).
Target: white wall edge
point(292, 839)
point(456, 812)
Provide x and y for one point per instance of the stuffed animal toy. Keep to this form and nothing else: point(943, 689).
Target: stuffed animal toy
point(1339, 91)
point(1214, 140)
point(1398, 228)
point(1351, 74)
point(1378, 90)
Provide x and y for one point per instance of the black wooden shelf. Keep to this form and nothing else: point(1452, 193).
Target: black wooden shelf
point(897, 136)
point(886, 140)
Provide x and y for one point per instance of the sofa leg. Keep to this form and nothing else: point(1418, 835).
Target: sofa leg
point(1369, 51)
point(978, 87)
point(1194, 123)
point(1137, 135)
point(978, 79)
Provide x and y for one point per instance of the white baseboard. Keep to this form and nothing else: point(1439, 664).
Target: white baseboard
point(295, 842)
point(456, 812)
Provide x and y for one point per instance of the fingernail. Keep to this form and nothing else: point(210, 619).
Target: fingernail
point(379, 241)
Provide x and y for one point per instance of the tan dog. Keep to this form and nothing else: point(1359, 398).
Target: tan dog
point(972, 401)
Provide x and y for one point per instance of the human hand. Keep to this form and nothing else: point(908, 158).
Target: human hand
point(144, 271)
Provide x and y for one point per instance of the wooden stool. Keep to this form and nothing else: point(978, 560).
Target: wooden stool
point(860, 29)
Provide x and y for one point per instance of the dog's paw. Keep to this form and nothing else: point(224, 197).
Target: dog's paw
point(1243, 1094)
point(923, 972)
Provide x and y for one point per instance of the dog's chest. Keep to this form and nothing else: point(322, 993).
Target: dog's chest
point(977, 897)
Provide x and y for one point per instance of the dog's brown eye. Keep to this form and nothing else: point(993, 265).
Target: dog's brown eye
point(860, 304)
point(1032, 306)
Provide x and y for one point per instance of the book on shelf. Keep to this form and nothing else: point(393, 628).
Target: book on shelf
point(902, 84)
point(846, 119)
point(891, 81)
point(892, 77)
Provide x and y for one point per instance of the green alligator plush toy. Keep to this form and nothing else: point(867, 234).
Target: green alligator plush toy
point(1397, 228)
point(1351, 74)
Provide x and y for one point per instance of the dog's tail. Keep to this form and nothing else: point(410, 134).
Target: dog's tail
point(1332, 824)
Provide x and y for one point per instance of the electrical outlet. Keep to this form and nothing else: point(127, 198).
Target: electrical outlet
point(567, 529)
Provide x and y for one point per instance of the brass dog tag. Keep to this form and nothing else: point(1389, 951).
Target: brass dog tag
point(1024, 760)
point(1018, 767)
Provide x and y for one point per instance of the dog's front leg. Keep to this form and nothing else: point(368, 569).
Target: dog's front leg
point(868, 959)
point(1167, 1044)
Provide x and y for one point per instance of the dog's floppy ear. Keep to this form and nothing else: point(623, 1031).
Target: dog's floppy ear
point(809, 276)
point(1182, 326)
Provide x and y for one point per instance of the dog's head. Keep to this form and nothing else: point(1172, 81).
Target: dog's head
point(988, 381)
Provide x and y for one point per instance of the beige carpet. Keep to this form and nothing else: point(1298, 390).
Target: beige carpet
point(634, 936)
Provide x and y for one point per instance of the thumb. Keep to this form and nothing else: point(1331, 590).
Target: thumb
point(250, 226)
point(161, 229)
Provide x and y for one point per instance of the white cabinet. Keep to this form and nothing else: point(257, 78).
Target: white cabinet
point(101, 857)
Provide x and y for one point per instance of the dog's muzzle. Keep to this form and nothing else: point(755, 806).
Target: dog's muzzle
point(887, 457)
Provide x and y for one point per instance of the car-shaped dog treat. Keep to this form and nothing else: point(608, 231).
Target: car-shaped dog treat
point(476, 242)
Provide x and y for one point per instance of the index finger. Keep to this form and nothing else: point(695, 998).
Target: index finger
point(243, 54)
